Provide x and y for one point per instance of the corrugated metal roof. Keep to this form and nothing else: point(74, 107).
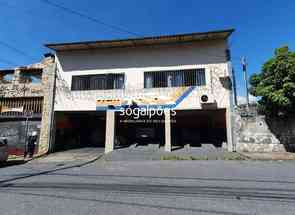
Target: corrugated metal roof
point(144, 41)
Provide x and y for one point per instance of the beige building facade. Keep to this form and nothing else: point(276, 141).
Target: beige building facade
point(187, 76)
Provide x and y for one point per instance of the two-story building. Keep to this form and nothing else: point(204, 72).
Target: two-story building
point(167, 90)
point(26, 98)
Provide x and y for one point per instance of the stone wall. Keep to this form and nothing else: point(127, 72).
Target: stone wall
point(21, 90)
point(48, 80)
point(256, 133)
point(45, 89)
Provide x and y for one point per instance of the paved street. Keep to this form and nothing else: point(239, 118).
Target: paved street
point(148, 187)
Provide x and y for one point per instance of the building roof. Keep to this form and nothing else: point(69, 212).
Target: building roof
point(144, 41)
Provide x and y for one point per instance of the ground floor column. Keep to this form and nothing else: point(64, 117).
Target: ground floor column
point(167, 131)
point(110, 131)
point(229, 130)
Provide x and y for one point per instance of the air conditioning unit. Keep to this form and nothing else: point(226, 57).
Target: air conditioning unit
point(207, 98)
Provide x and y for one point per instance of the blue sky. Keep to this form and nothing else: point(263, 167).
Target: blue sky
point(261, 26)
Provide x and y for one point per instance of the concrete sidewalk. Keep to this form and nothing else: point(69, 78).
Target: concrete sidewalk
point(50, 163)
point(153, 152)
point(74, 155)
point(71, 155)
point(269, 155)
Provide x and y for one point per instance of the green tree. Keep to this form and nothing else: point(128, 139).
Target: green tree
point(275, 84)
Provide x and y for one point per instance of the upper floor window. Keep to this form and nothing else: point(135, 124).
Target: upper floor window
point(6, 77)
point(30, 76)
point(98, 82)
point(181, 78)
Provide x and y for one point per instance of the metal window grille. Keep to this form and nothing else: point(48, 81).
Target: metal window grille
point(29, 104)
point(159, 79)
point(98, 82)
point(200, 77)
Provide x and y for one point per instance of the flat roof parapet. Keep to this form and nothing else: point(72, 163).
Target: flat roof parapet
point(144, 41)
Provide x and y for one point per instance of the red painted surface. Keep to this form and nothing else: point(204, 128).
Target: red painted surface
point(18, 151)
point(15, 151)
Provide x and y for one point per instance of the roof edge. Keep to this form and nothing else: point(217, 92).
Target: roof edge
point(54, 46)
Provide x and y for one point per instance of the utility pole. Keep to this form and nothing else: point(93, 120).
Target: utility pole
point(234, 87)
point(244, 65)
point(28, 115)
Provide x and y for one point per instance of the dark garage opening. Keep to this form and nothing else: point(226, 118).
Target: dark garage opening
point(79, 129)
point(144, 130)
point(198, 127)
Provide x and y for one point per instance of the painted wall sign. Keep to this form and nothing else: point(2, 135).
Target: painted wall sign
point(157, 101)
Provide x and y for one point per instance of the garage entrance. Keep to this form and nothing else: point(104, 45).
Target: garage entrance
point(79, 129)
point(198, 127)
point(144, 130)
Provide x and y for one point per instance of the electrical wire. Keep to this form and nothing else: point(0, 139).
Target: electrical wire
point(16, 50)
point(8, 62)
point(69, 10)
point(114, 27)
point(96, 20)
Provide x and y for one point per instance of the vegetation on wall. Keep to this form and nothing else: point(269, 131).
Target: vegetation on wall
point(275, 84)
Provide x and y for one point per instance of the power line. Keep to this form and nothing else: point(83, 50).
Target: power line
point(10, 63)
point(16, 50)
point(117, 28)
point(10, 46)
point(233, 59)
point(69, 10)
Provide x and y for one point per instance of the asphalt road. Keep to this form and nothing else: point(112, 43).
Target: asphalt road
point(149, 187)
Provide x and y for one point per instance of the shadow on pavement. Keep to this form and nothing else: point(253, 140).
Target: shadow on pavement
point(12, 163)
point(2, 182)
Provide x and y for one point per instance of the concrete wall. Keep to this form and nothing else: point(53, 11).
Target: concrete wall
point(256, 133)
point(210, 55)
